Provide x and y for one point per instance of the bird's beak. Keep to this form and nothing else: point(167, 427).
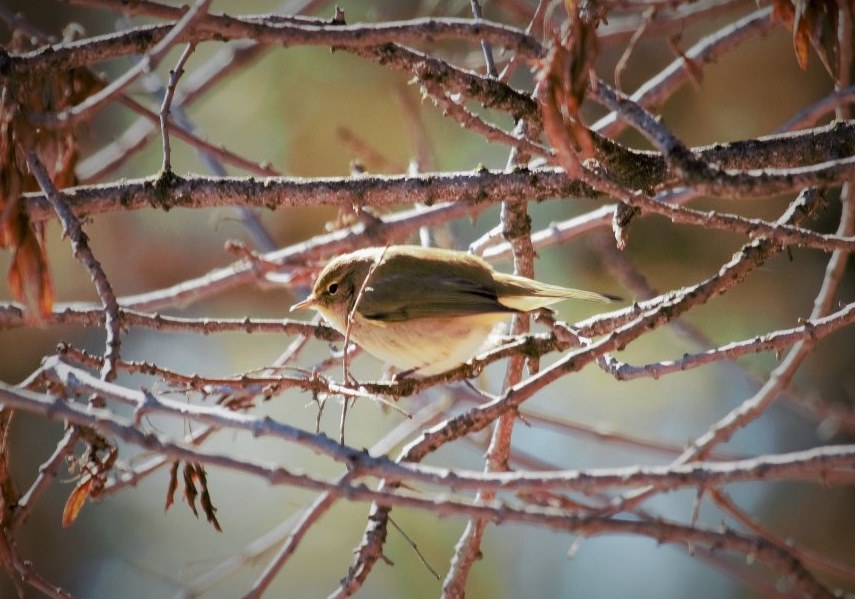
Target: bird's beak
point(307, 303)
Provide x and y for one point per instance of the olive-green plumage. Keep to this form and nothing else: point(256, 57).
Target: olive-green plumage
point(425, 309)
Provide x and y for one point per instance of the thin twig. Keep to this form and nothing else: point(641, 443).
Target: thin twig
point(112, 156)
point(620, 67)
point(808, 116)
point(174, 76)
point(47, 474)
point(350, 316)
point(149, 62)
point(415, 548)
point(79, 242)
point(657, 89)
point(485, 45)
point(726, 504)
point(809, 330)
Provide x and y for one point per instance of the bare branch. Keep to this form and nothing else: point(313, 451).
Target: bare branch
point(542, 86)
point(174, 76)
point(267, 29)
point(80, 246)
point(148, 63)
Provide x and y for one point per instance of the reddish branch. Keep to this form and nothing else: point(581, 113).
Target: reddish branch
point(774, 556)
point(643, 182)
point(267, 29)
point(72, 229)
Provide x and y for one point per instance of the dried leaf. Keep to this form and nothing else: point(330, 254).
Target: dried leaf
point(76, 501)
point(173, 484)
point(29, 277)
point(562, 122)
point(580, 41)
point(205, 499)
point(801, 40)
point(190, 491)
point(624, 213)
point(813, 23)
point(553, 121)
point(693, 68)
point(565, 76)
point(96, 461)
point(194, 474)
point(783, 12)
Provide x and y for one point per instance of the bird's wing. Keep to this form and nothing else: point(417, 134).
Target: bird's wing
point(400, 298)
point(534, 294)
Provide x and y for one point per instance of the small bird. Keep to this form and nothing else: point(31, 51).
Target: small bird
point(424, 310)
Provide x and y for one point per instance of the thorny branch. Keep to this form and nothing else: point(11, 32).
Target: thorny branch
point(557, 153)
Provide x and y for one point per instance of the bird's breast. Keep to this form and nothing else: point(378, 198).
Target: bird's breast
point(426, 345)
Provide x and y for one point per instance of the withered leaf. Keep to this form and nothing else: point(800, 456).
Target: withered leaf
point(76, 501)
point(205, 499)
point(173, 484)
point(190, 491)
point(813, 23)
point(29, 277)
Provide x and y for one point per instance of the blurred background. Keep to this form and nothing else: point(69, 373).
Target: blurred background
point(295, 109)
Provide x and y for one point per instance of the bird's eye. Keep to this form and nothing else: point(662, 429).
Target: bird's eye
point(332, 288)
